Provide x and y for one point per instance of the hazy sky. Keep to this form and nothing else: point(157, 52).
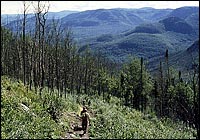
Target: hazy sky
point(15, 7)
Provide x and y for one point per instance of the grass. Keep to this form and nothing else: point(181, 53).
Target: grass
point(32, 121)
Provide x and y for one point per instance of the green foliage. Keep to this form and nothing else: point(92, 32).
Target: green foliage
point(182, 101)
point(25, 114)
point(108, 83)
point(104, 38)
point(180, 61)
point(136, 84)
point(119, 122)
point(177, 25)
point(149, 28)
point(109, 120)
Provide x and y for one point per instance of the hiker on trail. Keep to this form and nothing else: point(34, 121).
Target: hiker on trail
point(83, 102)
point(85, 119)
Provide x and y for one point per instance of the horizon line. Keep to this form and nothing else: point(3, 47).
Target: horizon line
point(100, 9)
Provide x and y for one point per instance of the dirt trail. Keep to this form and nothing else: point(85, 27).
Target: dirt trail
point(76, 131)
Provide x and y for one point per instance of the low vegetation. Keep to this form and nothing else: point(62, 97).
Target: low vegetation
point(25, 115)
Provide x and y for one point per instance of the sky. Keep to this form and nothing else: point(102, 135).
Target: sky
point(15, 7)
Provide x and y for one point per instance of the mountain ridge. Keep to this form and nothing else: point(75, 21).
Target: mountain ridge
point(120, 32)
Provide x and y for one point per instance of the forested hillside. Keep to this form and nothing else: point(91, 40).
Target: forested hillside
point(184, 61)
point(148, 40)
point(46, 76)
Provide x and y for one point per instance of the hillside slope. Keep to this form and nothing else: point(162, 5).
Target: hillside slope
point(93, 23)
point(146, 40)
point(181, 61)
point(24, 115)
point(183, 12)
point(189, 13)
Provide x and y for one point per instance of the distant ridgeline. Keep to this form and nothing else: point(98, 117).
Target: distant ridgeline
point(120, 33)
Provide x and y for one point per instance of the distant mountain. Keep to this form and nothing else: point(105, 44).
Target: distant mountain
point(147, 45)
point(152, 28)
point(93, 23)
point(101, 17)
point(178, 25)
point(189, 13)
point(16, 24)
point(148, 40)
point(149, 14)
point(119, 32)
point(7, 18)
point(193, 20)
point(61, 14)
point(184, 12)
point(194, 48)
point(14, 21)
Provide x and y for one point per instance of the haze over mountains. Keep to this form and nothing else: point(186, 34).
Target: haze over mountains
point(119, 33)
